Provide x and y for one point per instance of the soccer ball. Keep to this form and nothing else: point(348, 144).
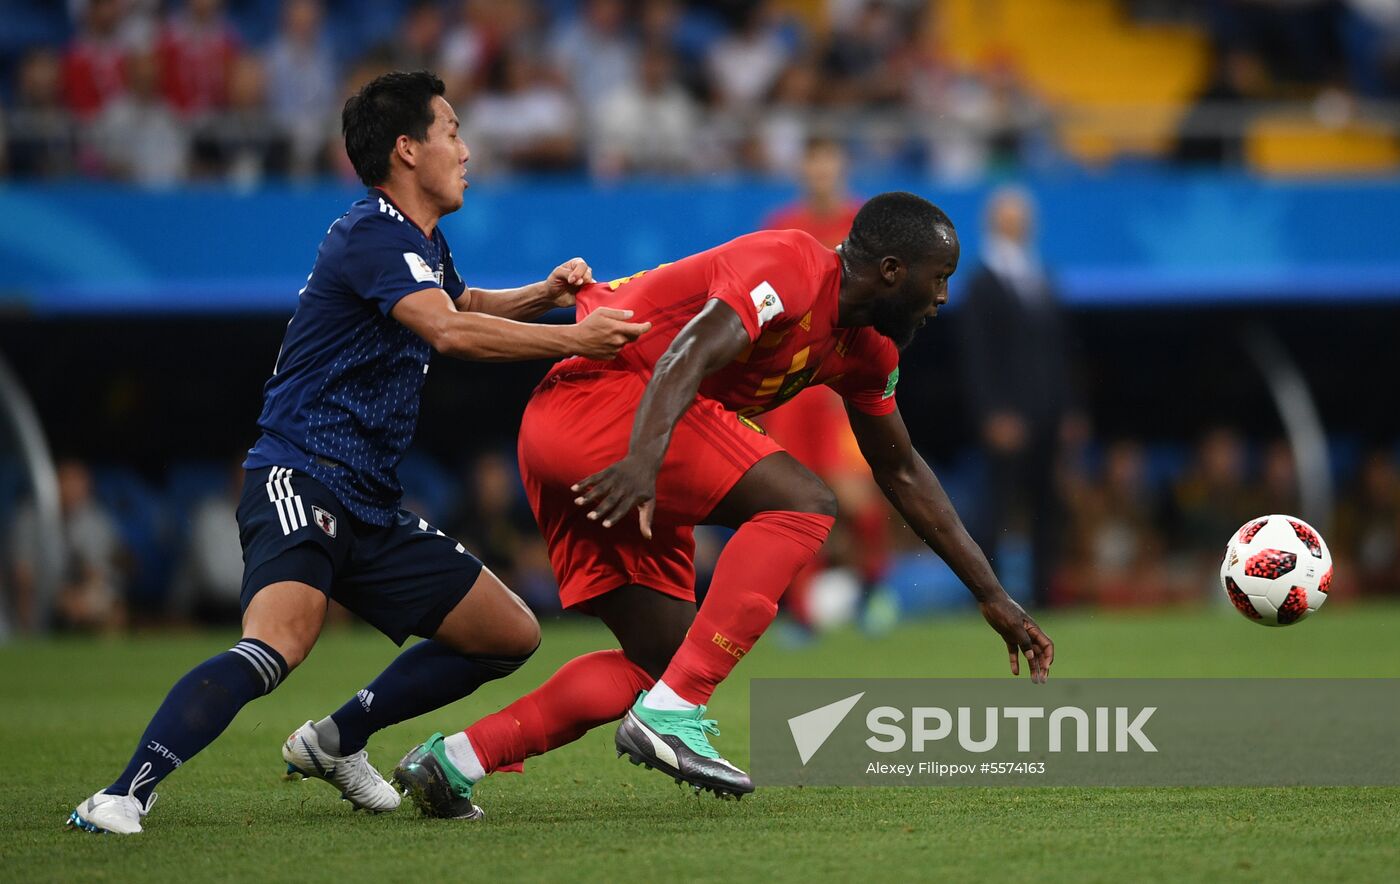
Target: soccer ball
point(1277, 570)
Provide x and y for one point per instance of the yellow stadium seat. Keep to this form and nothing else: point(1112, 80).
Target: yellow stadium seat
point(1121, 86)
point(1290, 145)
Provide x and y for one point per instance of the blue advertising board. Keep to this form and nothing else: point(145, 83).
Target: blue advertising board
point(1111, 240)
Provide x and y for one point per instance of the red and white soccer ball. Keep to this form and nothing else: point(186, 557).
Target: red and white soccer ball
point(1277, 570)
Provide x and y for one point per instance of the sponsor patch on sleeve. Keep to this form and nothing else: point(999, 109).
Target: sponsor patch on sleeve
point(891, 383)
point(419, 267)
point(766, 302)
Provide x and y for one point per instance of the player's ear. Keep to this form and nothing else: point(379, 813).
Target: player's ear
point(406, 149)
point(892, 271)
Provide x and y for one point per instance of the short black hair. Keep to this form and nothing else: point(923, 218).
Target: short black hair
point(897, 223)
point(386, 107)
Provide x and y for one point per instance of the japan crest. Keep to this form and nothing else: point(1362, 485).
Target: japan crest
point(324, 520)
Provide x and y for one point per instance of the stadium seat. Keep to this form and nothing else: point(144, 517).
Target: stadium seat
point(1291, 145)
point(30, 23)
point(1129, 83)
point(426, 484)
point(185, 486)
point(144, 527)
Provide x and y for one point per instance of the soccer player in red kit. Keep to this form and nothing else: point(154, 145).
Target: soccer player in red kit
point(826, 208)
point(620, 460)
point(812, 426)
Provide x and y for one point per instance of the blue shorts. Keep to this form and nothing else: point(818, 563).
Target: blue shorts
point(403, 579)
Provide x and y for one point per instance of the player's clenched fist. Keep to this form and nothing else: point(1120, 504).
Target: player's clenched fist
point(606, 331)
point(566, 279)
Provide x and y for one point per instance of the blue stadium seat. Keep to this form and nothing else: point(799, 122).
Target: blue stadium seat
point(1344, 452)
point(143, 524)
point(426, 484)
point(1166, 462)
point(31, 23)
point(257, 20)
point(14, 490)
point(186, 484)
point(923, 583)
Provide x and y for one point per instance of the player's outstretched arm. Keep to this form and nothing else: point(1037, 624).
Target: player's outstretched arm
point(710, 341)
point(481, 337)
point(533, 300)
point(915, 491)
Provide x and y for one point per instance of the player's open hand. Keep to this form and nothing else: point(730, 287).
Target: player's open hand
point(566, 279)
point(605, 331)
point(1022, 636)
point(612, 494)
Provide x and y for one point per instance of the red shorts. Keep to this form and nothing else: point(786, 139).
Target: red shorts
point(577, 422)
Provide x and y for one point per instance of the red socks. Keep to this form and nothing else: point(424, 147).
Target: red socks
point(753, 572)
point(586, 692)
point(870, 530)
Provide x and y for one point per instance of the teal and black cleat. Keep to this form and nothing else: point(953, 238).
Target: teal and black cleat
point(430, 780)
point(677, 744)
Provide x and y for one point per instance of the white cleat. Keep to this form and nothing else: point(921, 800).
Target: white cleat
point(358, 781)
point(119, 814)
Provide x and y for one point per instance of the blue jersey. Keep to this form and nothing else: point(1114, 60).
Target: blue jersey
point(342, 403)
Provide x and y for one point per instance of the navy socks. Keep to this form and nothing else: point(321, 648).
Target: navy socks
point(425, 677)
point(198, 708)
point(201, 705)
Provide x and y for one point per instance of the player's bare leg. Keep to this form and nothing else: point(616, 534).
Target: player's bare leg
point(279, 629)
point(782, 513)
point(649, 625)
point(490, 620)
point(586, 692)
point(288, 616)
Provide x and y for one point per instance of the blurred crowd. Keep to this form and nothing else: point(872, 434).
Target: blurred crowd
point(163, 92)
point(1143, 527)
point(1296, 47)
point(1337, 55)
point(1148, 533)
point(169, 553)
point(159, 93)
point(1066, 518)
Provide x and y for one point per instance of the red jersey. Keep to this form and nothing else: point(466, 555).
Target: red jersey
point(830, 229)
point(813, 426)
point(810, 427)
point(784, 286)
point(94, 72)
point(195, 64)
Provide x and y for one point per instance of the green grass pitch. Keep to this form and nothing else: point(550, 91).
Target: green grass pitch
point(70, 712)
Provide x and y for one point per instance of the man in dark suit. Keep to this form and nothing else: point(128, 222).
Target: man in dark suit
point(1015, 341)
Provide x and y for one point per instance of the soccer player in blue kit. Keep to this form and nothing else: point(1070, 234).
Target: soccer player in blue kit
point(320, 517)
